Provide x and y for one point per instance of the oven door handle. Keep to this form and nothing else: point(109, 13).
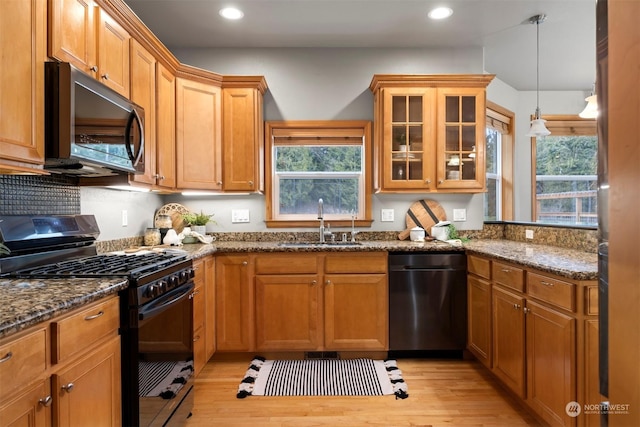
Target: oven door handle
point(162, 304)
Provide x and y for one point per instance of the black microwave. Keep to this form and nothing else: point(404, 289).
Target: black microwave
point(90, 130)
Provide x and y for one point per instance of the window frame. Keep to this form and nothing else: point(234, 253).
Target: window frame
point(503, 120)
point(326, 128)
point(558, 125)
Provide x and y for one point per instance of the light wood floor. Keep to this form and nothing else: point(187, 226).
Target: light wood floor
point(441, 393)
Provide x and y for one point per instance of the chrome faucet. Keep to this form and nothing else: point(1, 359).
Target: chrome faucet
point(353, 228)
point(323, 232)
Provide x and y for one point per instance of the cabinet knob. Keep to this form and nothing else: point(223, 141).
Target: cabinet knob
point(440, 181)
point(516, 306)
point(427, 181)
point(328, 282)
point(6, 357)
point(196, 338)
point(45, 401)
point(105, 76)
point(68, 388)
point(245, 263)
point(314, 282)
point(526, 310)
point(219, 183)
point(93, 68)
point(95, 316)
point(251, 183)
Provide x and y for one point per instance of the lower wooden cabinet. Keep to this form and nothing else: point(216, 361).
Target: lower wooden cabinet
point(30, 408)
point(87, 393)
point(544, 336)
point(203, 313)
point(302, 301)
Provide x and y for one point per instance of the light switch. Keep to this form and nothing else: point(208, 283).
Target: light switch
point(239, 215)
point(386, 215)
point(459, 214)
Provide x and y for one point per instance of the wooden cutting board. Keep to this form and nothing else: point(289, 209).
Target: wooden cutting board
point(423, 213)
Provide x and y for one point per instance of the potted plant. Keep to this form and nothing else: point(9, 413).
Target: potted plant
point(197, 221)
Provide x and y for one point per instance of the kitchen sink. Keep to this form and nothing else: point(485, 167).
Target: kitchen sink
point(317, 244)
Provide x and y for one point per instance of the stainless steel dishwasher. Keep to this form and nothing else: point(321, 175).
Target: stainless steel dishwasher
point(427, 302)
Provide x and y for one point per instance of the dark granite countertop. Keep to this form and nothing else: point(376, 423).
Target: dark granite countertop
point(29, 302)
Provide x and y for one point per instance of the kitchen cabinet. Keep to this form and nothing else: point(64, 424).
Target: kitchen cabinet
point(165, 161)
point(203, 313)
point(65, 371)
point(23, 46)
point(234, 302)
point(143, 93)
point(429, 132)
point(243, 133)
point(479, 309)
point(301, 305)
point(84, 35)
point(198, 135)
point(544, 337)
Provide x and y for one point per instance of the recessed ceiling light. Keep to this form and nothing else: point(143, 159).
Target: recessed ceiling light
point(231, 13)
point(440, 13)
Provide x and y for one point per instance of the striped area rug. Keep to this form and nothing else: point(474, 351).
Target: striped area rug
point(322, 377)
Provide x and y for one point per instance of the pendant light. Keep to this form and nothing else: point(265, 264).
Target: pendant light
point(591, 109)
point(538, 128)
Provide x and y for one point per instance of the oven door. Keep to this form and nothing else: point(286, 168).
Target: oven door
point(159, 347)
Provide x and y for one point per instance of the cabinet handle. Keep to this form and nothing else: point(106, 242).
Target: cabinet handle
point(95, 316)
point(546, 283)
point(196, 338)
point(6, 357)
point(105, 76)
point(93, 68)
point(68, 388)
point(245, 263)
point(505, 270)
point(516, 306)
point(45, 401)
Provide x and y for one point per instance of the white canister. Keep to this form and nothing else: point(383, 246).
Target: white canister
point(417, 234)
point(440, 231)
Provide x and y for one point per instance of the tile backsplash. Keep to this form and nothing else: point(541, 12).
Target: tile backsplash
point(38, 195)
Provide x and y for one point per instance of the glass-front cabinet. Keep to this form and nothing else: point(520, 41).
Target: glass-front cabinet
point(429, 132)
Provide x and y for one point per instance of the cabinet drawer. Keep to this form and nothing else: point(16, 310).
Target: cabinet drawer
point(22, 361)
point(551, 290)
point(288, 263)
point(77, 332)
point(508, 275)
point(366, 262)
point(479, 266)
point(591, 305)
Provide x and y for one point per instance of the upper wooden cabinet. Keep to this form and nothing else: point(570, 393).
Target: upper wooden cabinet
point(429, 132)
point(243, 133)
point(165, 174)
point(198, 134)
point(86, 36)
point(22, 43)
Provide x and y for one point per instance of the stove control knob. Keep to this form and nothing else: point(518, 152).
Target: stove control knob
point(152, 291)
point(162, 285)
point(184, 276)
point(192, 273)
point(173, 282)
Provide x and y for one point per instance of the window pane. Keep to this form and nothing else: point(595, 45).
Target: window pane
point(493, 196)
point(566, 180)
point(311, 158)
point(492, 150)
point(299, 196)
point(491, 200)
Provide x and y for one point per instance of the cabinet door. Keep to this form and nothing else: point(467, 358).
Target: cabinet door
point(591, 375)
point(113, 54)
point(22, 43)
point(408, 138)
point(288, 312)
point(87, 393)
point(143, 93)
point(242, 139)
point(199, 310)
point(461, 139)
point(234, 303)
point(508, 339)
point(198, 135)
point(72, 33)
point(356, 312)
point(166, 128)
point(210, 306)
point(479, 315)
point(551, 361)
point(31, 407)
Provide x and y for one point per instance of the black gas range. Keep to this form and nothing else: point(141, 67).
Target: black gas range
point(156, 308)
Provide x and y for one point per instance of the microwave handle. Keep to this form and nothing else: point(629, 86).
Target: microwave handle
point(134, 157)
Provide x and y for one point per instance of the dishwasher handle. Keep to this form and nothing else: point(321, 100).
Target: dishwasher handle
point(422, 268)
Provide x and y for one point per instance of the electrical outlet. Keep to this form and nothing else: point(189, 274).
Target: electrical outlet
point(528, 234)
point(386, 215)
point(459, 214)
point(239, 215)
point(125, 218)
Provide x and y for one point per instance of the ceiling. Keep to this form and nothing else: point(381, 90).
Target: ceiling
point(567, 37)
